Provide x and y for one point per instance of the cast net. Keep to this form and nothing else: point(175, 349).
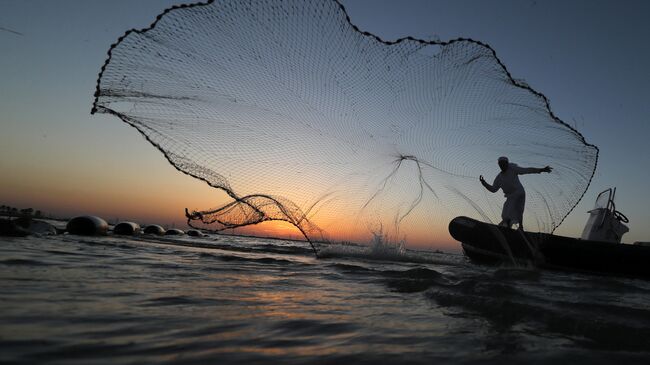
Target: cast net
point(301, 117)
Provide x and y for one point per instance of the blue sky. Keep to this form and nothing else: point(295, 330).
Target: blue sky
point(590, 58)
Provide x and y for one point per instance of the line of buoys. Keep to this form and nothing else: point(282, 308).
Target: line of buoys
point(154, 229)
point(126, 229)
point(87, 225)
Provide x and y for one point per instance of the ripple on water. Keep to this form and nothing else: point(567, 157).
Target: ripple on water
point(158, 304)
point(24, 262)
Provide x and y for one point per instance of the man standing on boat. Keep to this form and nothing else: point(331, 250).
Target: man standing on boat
point(508, 181)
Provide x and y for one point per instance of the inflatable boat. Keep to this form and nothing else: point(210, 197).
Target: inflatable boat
point(598, 250)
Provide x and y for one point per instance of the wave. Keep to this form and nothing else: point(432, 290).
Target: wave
point(387, 254)
point(260, 260)
point(24, 262)
point(511, 299)
point(414, 280)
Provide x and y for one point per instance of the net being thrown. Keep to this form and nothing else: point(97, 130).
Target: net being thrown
point(299, 116)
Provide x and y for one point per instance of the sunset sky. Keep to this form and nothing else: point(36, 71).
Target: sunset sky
point(590, 58)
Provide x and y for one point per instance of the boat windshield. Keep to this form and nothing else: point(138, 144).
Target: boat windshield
point(603, 199)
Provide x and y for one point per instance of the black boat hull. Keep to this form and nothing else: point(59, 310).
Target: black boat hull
point(492, 244)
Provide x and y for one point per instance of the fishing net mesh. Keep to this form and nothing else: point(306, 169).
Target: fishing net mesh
point(300, 116)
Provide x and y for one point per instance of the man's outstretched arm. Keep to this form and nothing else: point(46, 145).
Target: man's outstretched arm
point(491, 188)
point(533, 170)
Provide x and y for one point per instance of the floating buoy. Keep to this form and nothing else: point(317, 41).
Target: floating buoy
point(87, 225)
point(174, 232)
point(127, 229)
point(9, 228)
point(34, 226)
point(194, 233)
point(154, 229)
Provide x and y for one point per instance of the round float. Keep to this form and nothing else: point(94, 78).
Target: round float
point(34, 226)
point(87, 225)
point(154, 229)
point(10, 228)
point(126, 229)
point(194, 233)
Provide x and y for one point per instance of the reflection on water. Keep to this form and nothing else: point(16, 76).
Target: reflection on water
point(112, 300)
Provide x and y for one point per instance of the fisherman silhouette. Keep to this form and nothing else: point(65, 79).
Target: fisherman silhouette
point(508, 181)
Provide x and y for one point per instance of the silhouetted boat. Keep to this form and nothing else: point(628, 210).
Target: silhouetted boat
point(599, 250)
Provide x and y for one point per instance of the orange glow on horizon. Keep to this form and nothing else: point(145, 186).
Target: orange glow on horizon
point(146, 195)
point(285, 230)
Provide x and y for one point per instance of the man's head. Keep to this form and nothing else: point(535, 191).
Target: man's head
point(503, 163)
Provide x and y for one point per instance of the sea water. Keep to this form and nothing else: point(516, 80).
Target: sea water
point(226, 300)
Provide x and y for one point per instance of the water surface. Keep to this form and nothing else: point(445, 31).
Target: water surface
point(111, 300)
